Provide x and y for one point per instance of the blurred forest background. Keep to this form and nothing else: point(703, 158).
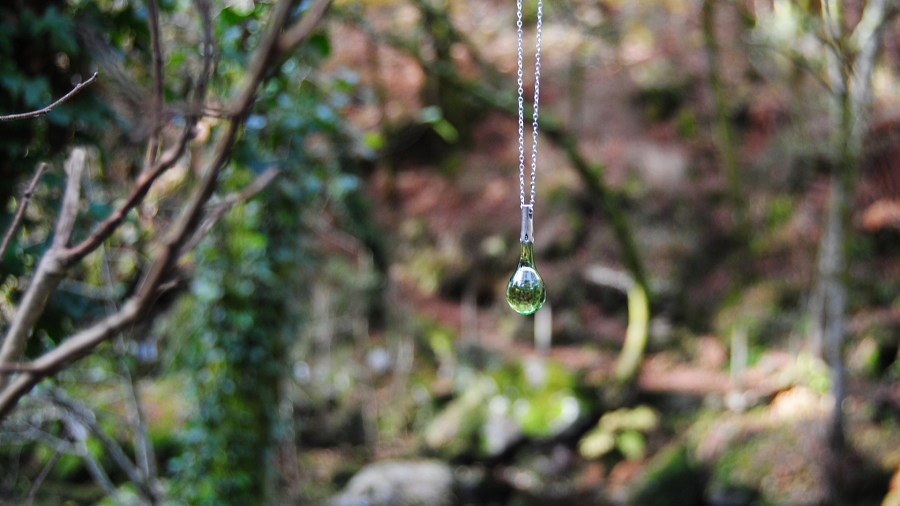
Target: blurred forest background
point(273, 269)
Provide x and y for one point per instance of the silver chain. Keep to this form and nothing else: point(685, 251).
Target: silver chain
point(537, 93)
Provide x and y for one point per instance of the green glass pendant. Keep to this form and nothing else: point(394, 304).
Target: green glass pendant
point(526, 292)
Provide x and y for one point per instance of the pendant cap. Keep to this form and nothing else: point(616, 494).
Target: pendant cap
point(527, 235)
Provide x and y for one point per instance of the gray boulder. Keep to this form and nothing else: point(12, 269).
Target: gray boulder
point(399, 483)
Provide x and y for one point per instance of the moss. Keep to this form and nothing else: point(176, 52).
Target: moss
point(782, 463)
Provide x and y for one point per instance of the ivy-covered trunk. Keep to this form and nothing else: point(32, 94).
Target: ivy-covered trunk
point(240, 299)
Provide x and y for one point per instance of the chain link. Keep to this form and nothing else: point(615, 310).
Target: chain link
point(521, 91)
point(521, 105)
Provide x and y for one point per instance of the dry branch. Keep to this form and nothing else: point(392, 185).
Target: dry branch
point(26, 198)
point(13, 368)
point(269, 49)
point(142, 186)
point(155, 167)
point(42, 476)
point(113, 450)
point(301, 31)
point(216, 213)
point(156, 109)
point(851, 60)
point(50, 270)
point(45, 110)
point(208, 50)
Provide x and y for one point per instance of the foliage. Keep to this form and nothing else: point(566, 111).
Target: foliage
point(249, 277)
point(534, 399)
point(671, 478)
point(236, 361)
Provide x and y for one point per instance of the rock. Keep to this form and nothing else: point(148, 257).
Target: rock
point(779, 455)
point(399, 483)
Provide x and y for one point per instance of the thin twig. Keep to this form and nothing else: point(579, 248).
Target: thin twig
point(26, 198)
point(142, 186)
point(797, 59)
point(86, 417)
point(137, 306)
point(156, 112)
point(152, 170)
point(216, 213)
point(50, 270)
point(95, 469)
point(156, 47)
point(143, 446)
point(264, 55)
point(42, 476)
point(45, 110)
point(303, 29)
point(208, 50)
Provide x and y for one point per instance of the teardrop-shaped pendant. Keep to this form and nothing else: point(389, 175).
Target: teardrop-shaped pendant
point(526, 292)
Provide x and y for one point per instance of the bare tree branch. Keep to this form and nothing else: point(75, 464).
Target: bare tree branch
point(50, 270)
point(13, 368)
point(152, 170)
point(136, 307)
point(216, 213)
point(143, 446)
point(303, 29)
point(265, 53)
point(95, 469)
point(45, 110)
point(74, 168)
point(156, 111)
point(26, 198)
point(72, 348)
point(208, 50)
point(142, 186)
point(113, 449)
point(36, 485)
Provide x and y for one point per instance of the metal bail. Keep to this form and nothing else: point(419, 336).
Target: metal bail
point(527, 223)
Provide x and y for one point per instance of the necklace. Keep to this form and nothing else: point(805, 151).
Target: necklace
point(526, 292)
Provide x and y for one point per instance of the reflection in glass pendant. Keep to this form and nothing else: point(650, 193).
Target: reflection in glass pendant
point(526, 292)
